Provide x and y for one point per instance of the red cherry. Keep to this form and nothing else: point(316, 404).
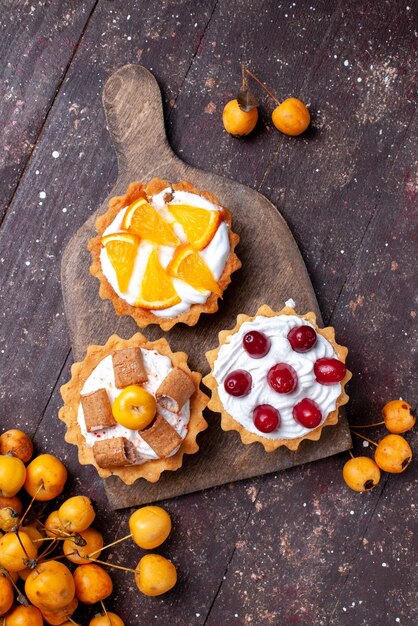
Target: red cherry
point(329, 371)
point(302, 338)
point(307, 413)
point(256, 344)
point(282, 378)
point(266, 418)
point(238, 383)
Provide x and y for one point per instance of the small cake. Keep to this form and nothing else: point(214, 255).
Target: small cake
point(277, 378)
point(133, 408)
point(164, 253)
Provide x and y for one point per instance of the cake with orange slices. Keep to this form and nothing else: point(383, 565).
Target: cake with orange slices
point(164, 253)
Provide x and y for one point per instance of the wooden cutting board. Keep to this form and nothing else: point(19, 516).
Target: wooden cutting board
point(272, 272)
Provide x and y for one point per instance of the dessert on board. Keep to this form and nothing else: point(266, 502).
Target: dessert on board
point(133, 408)
point(164, 253)
point(277, 378)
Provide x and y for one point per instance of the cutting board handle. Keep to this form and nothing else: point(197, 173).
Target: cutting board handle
point(134, 115)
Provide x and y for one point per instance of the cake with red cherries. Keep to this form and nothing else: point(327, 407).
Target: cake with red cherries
point(164, 253)
point(277, 378)
point(134, 408)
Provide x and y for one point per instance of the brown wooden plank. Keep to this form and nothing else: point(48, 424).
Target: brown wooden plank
point(37, 43)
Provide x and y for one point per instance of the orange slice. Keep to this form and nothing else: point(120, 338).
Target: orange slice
point(142, 219)
point(199, 225)
point(121, 249)
point(189, 266)
point(157, 289)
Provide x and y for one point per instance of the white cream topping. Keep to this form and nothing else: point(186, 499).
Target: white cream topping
point(157, 367)
point(232, 356)
point(215, 254)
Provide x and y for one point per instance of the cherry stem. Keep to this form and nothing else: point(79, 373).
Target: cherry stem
point(105, 612)
point(363, 437)
point(261, 84)
point(109, 545)
point(56, 558)
point(351, 454)
point(21, 544)
point(20, 597)
point(59, 535)
point(48, 539)
point(244, 78)
point(47, 551)
point(31, 503)
point(370, 425)
point(125, 569)
point(69, 618)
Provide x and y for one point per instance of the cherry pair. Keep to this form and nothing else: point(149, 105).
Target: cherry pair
point(306, 412)
point(257, 344)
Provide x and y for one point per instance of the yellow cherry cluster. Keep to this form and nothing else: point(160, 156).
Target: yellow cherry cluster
point(291, 117)
point(393, 453)
point(29, 545)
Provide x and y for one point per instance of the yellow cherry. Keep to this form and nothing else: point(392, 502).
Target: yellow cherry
point(12, 475)
point(76, 514)
point(155, 575)
point(6, 595)
point(8, 519)
point(77, 554)
point(238, 122)
point(361, 473)
point(50, 586)
point(14, 552)
point(45, 477)
point(291, 117)
point(134, 408)
point(13, 503)
point(18, 443)
point(393, 454)
point(150, 526)
point(398, 416)
point(92, 583)
point(53, 526)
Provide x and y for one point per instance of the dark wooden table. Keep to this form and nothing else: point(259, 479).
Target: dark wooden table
point(297, 547)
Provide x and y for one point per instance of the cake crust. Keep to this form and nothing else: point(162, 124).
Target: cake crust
point(70, 392)
point(229, 423)
point(144, 317)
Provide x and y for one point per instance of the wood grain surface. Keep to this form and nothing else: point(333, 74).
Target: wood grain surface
point(273, 271)
point(295, 547)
